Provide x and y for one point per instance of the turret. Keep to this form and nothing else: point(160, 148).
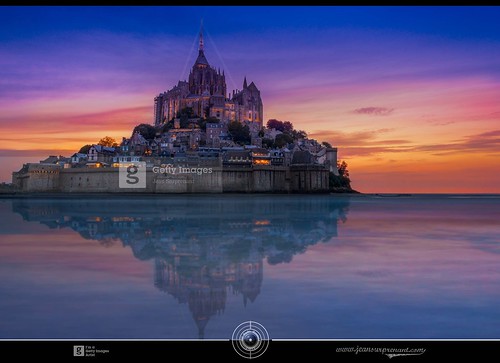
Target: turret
point(331, 157)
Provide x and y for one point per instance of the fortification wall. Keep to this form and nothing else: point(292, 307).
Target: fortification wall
point(38, 178)
point(310, 178)
point(259, 179)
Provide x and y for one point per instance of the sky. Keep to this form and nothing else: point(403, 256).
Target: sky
point(409, 95)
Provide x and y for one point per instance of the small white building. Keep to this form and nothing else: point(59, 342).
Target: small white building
point(78, 157)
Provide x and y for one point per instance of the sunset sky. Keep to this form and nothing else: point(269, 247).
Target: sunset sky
point(409, 95)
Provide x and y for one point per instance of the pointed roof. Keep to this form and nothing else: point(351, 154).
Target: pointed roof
point(253, 86)
point(201, 55)
point(138, 139)
point(201, 58)
point(245, 83)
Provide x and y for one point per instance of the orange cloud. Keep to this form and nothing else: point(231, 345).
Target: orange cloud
point(70, 132)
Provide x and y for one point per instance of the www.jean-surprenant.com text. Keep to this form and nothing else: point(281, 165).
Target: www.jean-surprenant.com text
point(382, 350)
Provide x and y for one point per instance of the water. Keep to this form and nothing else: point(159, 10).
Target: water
point(305, 267)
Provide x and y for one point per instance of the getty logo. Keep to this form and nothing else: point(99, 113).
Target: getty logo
point(78, 350)
point(132, 175)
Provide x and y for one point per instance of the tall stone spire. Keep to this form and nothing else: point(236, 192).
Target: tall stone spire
point(200, 48)
point(245, 83)
point(201, 60)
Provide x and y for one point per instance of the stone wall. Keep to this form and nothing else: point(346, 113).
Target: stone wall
point(37, 177)
point(259, 179)
point(310, 178)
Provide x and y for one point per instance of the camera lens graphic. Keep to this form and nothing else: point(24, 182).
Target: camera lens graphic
point(250, 339)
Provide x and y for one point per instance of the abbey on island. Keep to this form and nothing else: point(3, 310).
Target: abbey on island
point(196, 125)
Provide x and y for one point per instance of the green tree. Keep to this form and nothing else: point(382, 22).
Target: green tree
point(85, 149)
point(326, 144)
point(298, 134)
point(276, 124)
point(286, 127)
point(239, 132)
point(166, 126)
point(108, 141)
point(267, 143)
point(146, 130)
point(283, 126)
point(282, 140)
point(342, 168)
point(184, 115)
point(339, 183)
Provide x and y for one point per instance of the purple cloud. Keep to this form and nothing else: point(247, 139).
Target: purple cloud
point(375, 111)
point(363, 143)
point(484, 142)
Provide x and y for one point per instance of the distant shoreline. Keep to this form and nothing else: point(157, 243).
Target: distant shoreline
point(93, 195)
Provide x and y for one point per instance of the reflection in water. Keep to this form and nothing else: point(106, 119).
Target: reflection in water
point(203, 247)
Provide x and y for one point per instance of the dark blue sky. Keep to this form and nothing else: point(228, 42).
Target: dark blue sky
point(447, 21)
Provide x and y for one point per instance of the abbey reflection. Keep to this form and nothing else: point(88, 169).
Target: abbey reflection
point(203, 247)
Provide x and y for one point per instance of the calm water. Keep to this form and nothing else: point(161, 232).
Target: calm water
point(417, 267)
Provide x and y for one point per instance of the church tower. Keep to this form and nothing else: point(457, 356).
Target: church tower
point(205, 92)
point(205, 80)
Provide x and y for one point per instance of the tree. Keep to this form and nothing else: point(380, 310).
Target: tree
point(326, 144)
point(279, 125)
point(107, 141)
point(282, 140)
point(273, 124)
point(267, 143)
point(184, 115)
point(339, 183)
point(298, 134)
point(239, 132)
point(85, 149)
point(342, 168)
point(286, 127)
point(166, 126)
point(146, 130)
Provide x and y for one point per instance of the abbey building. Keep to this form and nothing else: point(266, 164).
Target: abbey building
point(217, 136)
point(205, 92)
